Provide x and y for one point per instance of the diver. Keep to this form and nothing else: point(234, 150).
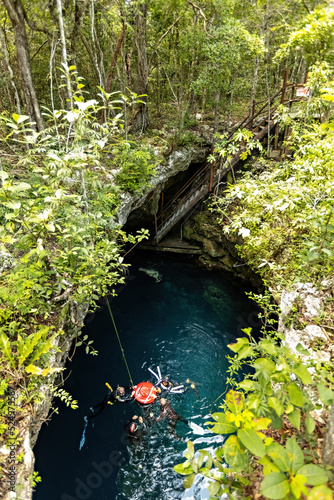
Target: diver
point(167, 412)
point(167, 385)
point(121, 394)
point(136, 428)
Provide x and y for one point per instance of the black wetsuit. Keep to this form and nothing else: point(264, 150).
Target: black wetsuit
point(110, 399)
point(137, 431)
point(170, 414)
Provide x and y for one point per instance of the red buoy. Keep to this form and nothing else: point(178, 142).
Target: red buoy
point(145, 393)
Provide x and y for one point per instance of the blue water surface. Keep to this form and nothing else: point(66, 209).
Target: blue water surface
point(171, 314)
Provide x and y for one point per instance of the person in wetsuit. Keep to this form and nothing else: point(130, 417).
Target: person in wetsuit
point(166, 385)
point(121, 394)
point(167, 412)
point(136, 428)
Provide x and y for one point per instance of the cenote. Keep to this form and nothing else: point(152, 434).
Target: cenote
point(170, 313)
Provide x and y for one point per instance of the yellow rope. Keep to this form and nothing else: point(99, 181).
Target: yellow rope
point(119, 341)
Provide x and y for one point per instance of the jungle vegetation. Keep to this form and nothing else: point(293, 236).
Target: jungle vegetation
point(92, 94)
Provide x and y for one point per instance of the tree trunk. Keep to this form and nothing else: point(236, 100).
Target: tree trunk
point(217, 109)
point(16, 16)
point(64, 52)
point(10, 71)
point(141, 120)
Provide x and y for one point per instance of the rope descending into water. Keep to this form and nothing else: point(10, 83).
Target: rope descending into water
point(119, 341)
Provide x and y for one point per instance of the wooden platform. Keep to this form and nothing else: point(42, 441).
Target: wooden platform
point(172, 245)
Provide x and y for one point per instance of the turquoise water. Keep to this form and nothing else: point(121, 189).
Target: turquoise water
point(171, 314)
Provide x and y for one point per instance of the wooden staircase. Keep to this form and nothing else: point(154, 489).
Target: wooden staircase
point(204, 181)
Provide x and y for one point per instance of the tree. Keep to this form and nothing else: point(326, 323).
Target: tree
point(141, 119)
point(17, 16)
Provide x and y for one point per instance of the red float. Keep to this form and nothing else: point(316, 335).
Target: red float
point(145, 393)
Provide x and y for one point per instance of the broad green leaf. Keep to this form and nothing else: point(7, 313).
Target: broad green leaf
point(309, 424)
point(191, 449)
point(314, 474)
point(214, 488)
point(275, 486)
point(276, 421)
point(188, 481)
point(241, 342)
point(245, 352)
point(258, 424)
point(34, 370)
point(268, 465)
point(326, 395)
point(295, 394)
point(269, 347)
point(301, 349)
point(247, 385)
point(294, 418)
point(302, 372)
point(235, 401)
point(184, 468)
point(264, 365)
point(279, 455)
point(297, 485)
point(296, 455)
point(321, 492)
point(6, 350)
point(276, 405)
point(252, 441)
point(222, 426)
point(234, 456)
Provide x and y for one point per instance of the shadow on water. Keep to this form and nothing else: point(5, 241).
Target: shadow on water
point(172, 314)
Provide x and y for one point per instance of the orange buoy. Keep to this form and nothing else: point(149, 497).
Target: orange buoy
point(145, 393)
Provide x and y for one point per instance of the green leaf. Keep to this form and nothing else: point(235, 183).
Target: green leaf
point(6, 350)
point(295, 394)
point(279, 455)
point(294, 418)
point(214, 488)
point(247, 385)
point(276, 405)
point(297, 485)
point(188, 481)
point(34, 370)
point(301, 349)
point(191, 449)
point(302, 372)
point(241, 342)
point(309, 424)
point(222, 426)
point(235, 401)
point(296, 455)
point(276, 421)
point(184, 468)
point(326, 395)
point(314, 474)
point(268, 465)
point(251, 440)
point(234, 456)
point(321, 492)
point(275, 486)
point(269, 347)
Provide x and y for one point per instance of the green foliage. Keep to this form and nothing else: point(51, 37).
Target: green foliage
point(313, 37)
point(284, 215)
point(136, 164)
point(279, 392)
point(60, 243)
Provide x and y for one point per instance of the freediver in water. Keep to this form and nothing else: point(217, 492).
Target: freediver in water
point(167, 412)
point(121, 394)
point(135, 428)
